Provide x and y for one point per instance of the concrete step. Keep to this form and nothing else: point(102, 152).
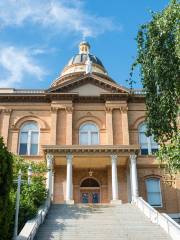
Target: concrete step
point(107, 222)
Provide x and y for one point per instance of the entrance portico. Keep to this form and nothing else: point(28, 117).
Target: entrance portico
point(106, 165)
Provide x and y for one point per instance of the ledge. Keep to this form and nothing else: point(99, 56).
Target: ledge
point(91, 148)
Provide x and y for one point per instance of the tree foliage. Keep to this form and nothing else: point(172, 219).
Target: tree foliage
point(170, 155)
point(32, 196)
point(6, 210)
point(158, 58)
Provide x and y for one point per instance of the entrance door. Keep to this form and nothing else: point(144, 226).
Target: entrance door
point(84, 197)
point(90, 196)
point(89, 191)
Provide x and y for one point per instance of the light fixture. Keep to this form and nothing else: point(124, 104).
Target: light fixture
point(90, 173)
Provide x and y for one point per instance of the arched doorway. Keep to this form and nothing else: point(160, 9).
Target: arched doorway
point(90, 191)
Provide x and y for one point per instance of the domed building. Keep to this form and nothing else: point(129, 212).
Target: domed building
point(91, 132)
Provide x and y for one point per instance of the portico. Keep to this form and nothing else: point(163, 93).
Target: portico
point(92, 174)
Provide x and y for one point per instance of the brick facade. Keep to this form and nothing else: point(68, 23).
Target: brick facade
point(59, 113)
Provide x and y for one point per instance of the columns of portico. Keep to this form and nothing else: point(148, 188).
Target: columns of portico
point(133, 177)
point(49, 176)
point(69, 184)
point(115, 194)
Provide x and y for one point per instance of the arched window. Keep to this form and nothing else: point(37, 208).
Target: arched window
point(89, 182)
point(29, 138)
point(148, 145)
point(153, 189)
point(88, 134)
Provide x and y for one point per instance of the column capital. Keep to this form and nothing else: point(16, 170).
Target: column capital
point(69, 157)
point(49, 158)
point(69, 109)
point(54, 109)
point(114, 157)
point(108, 109)
point(124, 109)
point(133, 158)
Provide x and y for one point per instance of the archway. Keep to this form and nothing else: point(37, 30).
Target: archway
point(89, 191)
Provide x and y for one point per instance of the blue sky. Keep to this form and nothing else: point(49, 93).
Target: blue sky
point(38, 37)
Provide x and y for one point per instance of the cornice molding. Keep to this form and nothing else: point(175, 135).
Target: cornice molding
point(109, 149)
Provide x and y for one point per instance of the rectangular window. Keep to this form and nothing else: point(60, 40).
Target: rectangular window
point(83, 138)
point(154, 192)
point(144, 151)
point(94, 138)
point(154, 145)
point(34, 143)
point(144, 144)
point(23, 143)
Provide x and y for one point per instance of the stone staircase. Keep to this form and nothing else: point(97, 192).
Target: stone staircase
point(97, 222)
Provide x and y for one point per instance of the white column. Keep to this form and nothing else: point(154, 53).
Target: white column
point(115, 197)
point(133, 177)
point(52, 186)
point(69, 185)
point(49, 159)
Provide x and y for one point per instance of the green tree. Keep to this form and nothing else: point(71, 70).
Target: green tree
point(170, 155)
point(32, 196)
point(6, 177)
point(158, 57)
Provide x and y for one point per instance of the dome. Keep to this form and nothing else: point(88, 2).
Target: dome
point(84, 62)
point(82, 58)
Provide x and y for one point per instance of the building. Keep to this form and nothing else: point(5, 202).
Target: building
point(91, 131)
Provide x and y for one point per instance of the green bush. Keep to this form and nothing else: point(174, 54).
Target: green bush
point(32, 196)
point(6, 208)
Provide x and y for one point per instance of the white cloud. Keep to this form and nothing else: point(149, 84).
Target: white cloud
point(16, 65)
point(63, 16)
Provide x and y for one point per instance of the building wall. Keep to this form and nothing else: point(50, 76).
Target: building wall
point(12, 116)
point(169, 189)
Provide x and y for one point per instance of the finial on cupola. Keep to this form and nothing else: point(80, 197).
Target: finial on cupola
point(84, 47)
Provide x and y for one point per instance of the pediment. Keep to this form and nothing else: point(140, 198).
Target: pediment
point(88, 85)
point(88, 89)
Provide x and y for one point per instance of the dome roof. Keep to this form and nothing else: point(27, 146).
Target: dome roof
point(82, 58)
point(81, 61)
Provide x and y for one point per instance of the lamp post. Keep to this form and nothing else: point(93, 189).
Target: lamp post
point(17, 205)
point(19, 181)
point(29, 174)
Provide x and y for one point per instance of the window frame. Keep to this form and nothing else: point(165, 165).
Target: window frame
point(29, 138)
point(160, 191)
point(89, 134)
point(149, 140)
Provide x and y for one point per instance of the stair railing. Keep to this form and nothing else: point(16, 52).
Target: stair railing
point(168, 224)
point(30, 228)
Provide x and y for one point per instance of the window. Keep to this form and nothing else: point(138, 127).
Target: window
point(148, 145)
point(29, 138)
point(88, 134)
point(153, 189)
point(89, 182)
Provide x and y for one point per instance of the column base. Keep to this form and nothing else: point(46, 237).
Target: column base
point(116, 202)
point(69, 202)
